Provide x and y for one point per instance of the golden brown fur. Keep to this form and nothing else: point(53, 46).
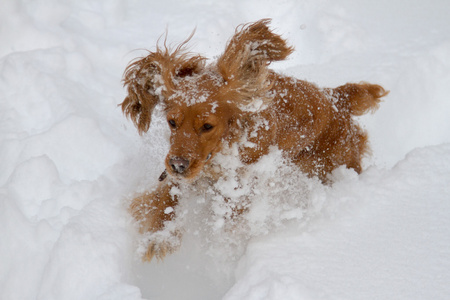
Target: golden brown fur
point(238, 100)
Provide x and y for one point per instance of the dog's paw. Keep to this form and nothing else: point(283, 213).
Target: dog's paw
point(158, 251)
point(159, 244)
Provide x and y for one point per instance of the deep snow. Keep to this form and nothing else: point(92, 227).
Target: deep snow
point(70, 161)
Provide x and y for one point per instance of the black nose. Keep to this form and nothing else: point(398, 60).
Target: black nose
point(179, 165)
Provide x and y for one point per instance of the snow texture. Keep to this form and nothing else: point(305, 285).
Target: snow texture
point(70, 161)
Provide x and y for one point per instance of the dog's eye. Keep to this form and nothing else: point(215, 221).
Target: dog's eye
point(172, 123)
point(207, 127)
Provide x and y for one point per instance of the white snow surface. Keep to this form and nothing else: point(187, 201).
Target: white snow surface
point(70, 161)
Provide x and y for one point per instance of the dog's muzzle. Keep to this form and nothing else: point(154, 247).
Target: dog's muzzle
point(179, 165)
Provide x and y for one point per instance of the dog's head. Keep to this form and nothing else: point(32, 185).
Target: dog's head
point(203, 103)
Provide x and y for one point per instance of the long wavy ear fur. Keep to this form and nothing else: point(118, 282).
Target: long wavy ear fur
point(252, 48)
point(150, 80)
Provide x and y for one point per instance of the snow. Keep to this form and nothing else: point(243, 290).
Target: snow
point(70, 161)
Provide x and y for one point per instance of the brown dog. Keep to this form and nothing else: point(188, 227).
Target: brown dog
point(238, 100)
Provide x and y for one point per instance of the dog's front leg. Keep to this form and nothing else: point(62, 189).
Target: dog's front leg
point(153, 211)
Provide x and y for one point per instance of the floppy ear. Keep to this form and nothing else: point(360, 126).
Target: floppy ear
point(150, 80)
point(252, 48)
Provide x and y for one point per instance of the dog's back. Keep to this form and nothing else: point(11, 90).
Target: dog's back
point(314, 127)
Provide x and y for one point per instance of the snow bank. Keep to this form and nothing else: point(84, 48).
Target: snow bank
point(70, 160)
point(380, 236)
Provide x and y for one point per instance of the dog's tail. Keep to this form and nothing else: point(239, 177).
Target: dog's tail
point(358, 99)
